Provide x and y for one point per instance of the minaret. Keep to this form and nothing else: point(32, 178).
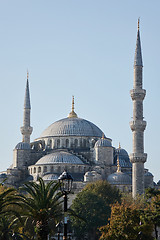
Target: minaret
point(138, 125)
point(26, 130)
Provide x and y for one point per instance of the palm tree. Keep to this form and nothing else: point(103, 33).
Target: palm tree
point(7, 198)
point(42, 206)
point(9, 213)
point(9, 228)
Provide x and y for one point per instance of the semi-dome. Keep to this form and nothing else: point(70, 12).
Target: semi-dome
point(119, 178)
point(59, 157)
point(103, 142)
point(72, 126)
point(22, 146)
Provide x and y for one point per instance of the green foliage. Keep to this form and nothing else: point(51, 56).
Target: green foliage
point(127, 222)
point(92, 205)
point(41, 207)
point(152, 212)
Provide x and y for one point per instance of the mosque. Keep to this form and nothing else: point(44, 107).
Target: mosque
point(80, 147)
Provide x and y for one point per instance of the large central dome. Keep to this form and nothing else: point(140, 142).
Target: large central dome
point(72, 126)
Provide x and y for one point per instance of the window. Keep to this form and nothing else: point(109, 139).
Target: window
point(58, 143)
point(76, 143)
point(51, 169)
point(67, 143)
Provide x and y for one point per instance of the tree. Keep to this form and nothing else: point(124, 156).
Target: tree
point(9, 213)
point(92, 206)
point(41, 207)
point(9, 228)
point(127, 221)
point(153, 208)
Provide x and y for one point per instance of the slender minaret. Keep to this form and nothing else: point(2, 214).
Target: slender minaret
point(26, 130)
point(138, 125)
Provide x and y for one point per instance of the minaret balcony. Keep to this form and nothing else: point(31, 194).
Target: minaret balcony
point(138, 125)
point(26, 130)
point(138, 94)
point(138, 157)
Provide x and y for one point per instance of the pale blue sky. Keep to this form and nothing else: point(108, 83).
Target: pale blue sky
point(83, 48)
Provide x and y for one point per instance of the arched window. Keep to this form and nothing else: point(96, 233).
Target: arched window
point(31, 170)
point(34, 170)
point(39, 169)
point(84, 142)
point(80, 142)
point(45, 169)
point(79, 168)
point(72, 169)
point(76, 143)
point(51, 170)
point(67, 143)
point(50, 143)
point(58, 143)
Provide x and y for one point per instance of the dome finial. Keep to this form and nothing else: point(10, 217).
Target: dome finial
point(138, 22)
point(72, 114)
point(27, 74)
point(119, 146)
point(102, 135)
point(72, 103)
point(118, 165)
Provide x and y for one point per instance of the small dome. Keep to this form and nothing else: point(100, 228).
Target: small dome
point(103, 142)
point(119, 178)
point(124, 160)
point(59, 157)
point(148, 174)
point(3, 175)
point(22, 146)
point(122, 152)
point(30, 178)
point(50, 177)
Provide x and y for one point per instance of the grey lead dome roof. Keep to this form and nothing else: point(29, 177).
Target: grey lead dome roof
point(103, 143)
point(22, 146)
point(59, 157)
point(119, 178)
point(72, 127)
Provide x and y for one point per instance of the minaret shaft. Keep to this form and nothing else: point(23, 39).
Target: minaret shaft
point(138, 125)
point(138, 76)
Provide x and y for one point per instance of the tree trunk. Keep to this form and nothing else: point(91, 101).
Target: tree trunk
point(156, 232)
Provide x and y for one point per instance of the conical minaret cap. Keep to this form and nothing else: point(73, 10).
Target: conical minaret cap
point(138, 53)
point(27, 104)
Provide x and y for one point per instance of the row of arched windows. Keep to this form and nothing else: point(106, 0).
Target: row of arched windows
point(67, 143)
point(59, 169)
